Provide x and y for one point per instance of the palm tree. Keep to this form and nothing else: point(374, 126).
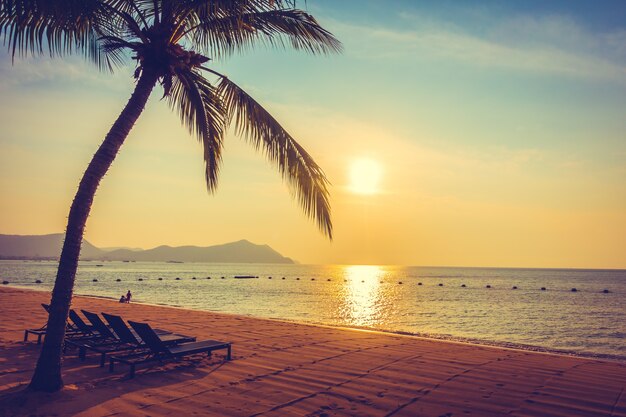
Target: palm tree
point(172, 43)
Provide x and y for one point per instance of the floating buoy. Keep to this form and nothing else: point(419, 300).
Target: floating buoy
point(441, 285)
point(94, 280)
point(298, 279)
point(38, 281)
point(345, 280)
point(140, 279)
point(514, 287)
point(399, 282)
point(208, 277)
point(488, 286)
point(312, 279)
point(543, 288)
point(5, 282)
point(177, 279)
point(606, 291)
point(419, 283)
point(160, 279)
point(119, 280)
point(222, 277)
point(362, 280)
point(328, 279)
point(269, 277)
point(193, 278)
point(574, 290)
point(283, 277)
point(463, 285)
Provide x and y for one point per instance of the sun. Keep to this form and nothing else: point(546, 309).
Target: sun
point(365, 176)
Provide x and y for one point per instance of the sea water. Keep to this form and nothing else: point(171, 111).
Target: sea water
point(469, 304)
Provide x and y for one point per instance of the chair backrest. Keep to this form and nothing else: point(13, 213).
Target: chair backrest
point(99, 325)
point(80, 324)
point(150, 338)
point(120, 328)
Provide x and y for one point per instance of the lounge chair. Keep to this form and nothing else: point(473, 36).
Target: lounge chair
point(129, 336)
point(70, 330)
point(159, 351)
point(80, 324)
point(109, 342)
point(103, 340)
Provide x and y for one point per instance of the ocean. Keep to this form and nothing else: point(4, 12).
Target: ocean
point(478, 305)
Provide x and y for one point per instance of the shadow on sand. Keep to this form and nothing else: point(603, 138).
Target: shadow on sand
point(86, 384)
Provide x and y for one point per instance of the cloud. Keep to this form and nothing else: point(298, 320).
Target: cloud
point(56, 73)
point(551, 45)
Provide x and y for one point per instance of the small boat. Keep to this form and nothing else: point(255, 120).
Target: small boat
point(99, 265)
point(245, 276)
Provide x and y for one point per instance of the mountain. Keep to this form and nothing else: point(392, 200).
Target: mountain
point(41, 247)
point(242, 251)
point(49, 247)
point(112, 248)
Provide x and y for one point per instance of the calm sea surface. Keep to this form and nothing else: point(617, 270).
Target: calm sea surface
point(389, 298)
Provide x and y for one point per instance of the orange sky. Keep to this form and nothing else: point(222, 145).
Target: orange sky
point(482, 160)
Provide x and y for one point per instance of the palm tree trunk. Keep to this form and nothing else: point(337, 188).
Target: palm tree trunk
point(47, 376)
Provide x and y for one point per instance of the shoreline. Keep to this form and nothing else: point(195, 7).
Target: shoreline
point(284, 369)
point(433, 337)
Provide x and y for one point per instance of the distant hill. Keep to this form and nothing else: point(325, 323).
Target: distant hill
point(41, 247)
point(49, 247)
point(242, 251)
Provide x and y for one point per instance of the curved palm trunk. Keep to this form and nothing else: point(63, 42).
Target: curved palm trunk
point(47, 375)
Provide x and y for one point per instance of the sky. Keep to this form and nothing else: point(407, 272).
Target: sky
point(454, 134)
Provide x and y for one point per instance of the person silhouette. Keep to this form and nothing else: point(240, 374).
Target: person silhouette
point(128, 296)
point(122, 299)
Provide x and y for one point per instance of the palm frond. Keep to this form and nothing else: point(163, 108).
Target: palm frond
point(275, 28)
point(59, 25)
point(201, 112)
point(306, 179)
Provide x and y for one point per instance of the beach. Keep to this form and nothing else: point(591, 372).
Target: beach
point(289, 369)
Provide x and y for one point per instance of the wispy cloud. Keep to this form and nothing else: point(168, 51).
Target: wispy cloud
point(552, 45)
point(55, 72)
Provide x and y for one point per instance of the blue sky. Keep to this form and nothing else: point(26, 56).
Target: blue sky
point(499, 128)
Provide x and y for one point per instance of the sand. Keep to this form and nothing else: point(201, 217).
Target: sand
point(287, 369)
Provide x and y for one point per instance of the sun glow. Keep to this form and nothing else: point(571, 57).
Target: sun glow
point(365, 176)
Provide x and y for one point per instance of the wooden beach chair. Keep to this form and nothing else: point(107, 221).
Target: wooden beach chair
point(160, 351)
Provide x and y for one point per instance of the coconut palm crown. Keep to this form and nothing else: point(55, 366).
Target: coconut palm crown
point(172, 43)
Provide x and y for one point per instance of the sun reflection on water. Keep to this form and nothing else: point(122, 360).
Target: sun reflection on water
point(363, 293)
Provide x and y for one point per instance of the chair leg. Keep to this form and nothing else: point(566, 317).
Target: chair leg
point(39, 336)
point(25, 335)
point(111, 364)
point(228, 353)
